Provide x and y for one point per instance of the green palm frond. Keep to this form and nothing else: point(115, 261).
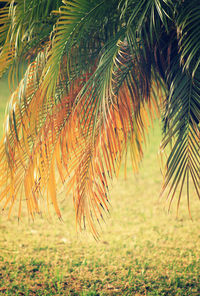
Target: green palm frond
point(82, 25)
point(183, 116)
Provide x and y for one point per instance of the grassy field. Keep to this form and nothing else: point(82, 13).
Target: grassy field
point(143, 249)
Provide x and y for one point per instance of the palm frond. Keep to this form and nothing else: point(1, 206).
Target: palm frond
point(82, 25)
point(183, 105)
point(56, 135)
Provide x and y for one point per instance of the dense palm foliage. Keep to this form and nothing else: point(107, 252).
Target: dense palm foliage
point(98, 73)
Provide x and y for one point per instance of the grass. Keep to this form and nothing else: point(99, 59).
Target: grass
point(143, 250)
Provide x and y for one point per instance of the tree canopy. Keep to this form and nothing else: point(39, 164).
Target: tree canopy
point(97, 74)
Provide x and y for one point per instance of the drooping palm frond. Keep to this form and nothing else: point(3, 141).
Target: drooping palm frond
point(89, 97)
point(85, 158)
point(182, 106)
point(183, 115)
point(111, 121)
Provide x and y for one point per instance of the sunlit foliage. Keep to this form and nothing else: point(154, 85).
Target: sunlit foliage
point(98, 73)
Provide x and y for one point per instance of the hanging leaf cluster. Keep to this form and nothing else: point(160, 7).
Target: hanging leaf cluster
point(97, 73)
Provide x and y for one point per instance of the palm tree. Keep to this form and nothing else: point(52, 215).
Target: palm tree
point(98, 73)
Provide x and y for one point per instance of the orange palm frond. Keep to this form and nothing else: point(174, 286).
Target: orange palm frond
point(40, 136)
point(94, 158)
